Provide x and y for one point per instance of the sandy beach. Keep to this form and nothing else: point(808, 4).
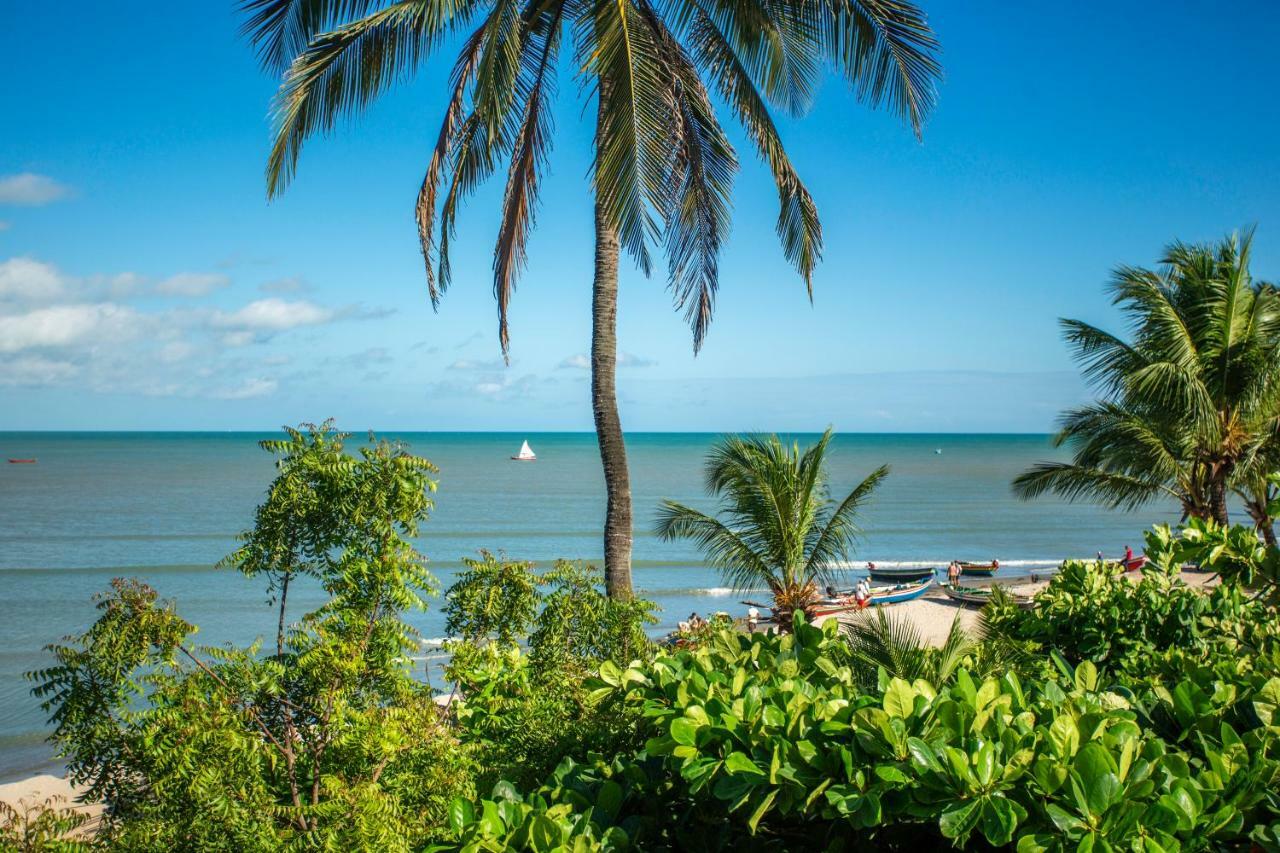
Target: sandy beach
point(54, 791)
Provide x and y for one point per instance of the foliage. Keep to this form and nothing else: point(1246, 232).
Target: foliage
point(1159, 624)
point(492, 599)
point(768, 741)
point(1190, 406)
point(298, 527)
point(330, 742)
point(777, 524)
point(47, 826)
point(525, 711)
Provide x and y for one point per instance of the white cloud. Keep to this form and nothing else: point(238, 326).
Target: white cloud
point(62, 325)
point(471, 364)
point(36, 370)
point(292, 284)
point(576, 362)
point(31, 190)
point(249, 388)
point(275, 315)
point(626, 359)
point(579, 361)
point(30, 280)
point(192, 284)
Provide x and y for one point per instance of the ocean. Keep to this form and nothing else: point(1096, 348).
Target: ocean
point(165, 507)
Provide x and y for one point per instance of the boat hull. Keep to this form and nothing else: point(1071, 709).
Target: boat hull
point(901, 575)
point(975, 597)
point(879, 596)
point(981, 570)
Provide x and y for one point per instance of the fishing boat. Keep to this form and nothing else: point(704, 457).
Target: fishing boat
point(846, 603)
point(22, 461)
point(900, 574)
point(984, 570)
point(979, 596)
point(1134, 563)
point(526, 454)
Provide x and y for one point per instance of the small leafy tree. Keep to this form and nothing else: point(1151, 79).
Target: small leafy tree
point(492, 598)
point(777, 523)
point(525, 711)
point(329, 743)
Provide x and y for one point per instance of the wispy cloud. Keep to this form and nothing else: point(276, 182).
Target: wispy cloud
point(274, 315)
point(192, 284)
point(31, 190)
point(472, 364)
point(258, 387)
point(579, 361)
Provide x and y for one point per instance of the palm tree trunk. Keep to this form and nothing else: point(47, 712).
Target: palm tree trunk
point(604, 403)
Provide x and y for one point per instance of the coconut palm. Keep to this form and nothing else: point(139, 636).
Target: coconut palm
point(776, 523)
point(1190, 407)
point(663, 165)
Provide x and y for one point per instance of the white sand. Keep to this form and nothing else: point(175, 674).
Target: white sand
point(38, 790)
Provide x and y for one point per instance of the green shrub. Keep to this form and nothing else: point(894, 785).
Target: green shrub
point(767, 741)
point(525, 710)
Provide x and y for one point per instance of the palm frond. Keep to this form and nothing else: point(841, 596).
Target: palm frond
point(724, 548)
point(836, 539)
point(628, 174)
point(798, 226)
point(887, 52)
point(1075, 482)
point(281, 29)
point(341, 72)
point(532, 145)
point(425, 206)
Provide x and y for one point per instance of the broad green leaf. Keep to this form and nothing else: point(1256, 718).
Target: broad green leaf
point(737, 762)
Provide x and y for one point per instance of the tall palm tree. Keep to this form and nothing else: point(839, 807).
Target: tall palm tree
point(1190, 407)
point(776, 524)
point(663, 165)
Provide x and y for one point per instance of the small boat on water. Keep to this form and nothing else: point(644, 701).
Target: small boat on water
point(979, 596)
point(984, 570)
point(845, 602)
point(22, 461)
point(900, 574)
point(526, 454)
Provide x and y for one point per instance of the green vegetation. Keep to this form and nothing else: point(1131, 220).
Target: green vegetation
point(663, 168)
point(778, 526)
point(1190, 406)
point(1015, 741)
point(1112, 715)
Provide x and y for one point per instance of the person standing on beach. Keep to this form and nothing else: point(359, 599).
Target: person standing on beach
point(953, 573)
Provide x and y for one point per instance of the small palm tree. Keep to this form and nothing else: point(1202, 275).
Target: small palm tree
point(658, 77)
point(777, 524)
point(1190, 407)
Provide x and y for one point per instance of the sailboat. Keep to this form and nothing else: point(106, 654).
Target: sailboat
point(526, 454)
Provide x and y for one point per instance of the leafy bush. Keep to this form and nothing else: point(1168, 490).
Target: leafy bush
point(45, 826)
point(526, 710)
point(768, 741)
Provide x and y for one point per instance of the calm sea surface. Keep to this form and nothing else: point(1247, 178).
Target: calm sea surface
point(165, 507)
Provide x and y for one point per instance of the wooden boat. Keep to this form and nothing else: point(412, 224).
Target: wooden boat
point(526, 454)
point(22, 461)
point(1134, 564)
point(979, 596)
point(880, 595)
point(985, 570)
point(901, 574)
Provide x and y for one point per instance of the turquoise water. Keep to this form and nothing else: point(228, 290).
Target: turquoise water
point(166, 506)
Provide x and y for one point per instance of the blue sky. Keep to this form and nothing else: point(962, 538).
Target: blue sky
point(145, 282)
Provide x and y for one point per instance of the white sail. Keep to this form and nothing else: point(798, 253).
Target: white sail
point(526, 452)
